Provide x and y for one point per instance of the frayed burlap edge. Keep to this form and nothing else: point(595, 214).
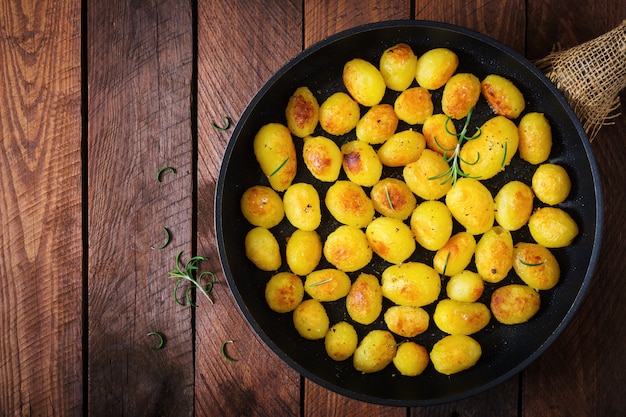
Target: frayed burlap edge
point(591, 76)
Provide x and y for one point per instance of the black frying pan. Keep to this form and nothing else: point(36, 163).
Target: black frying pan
point(506, 349)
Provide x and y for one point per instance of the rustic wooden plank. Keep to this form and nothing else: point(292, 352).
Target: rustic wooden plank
point(236, 55)
point(139, 73)
point(40, 209)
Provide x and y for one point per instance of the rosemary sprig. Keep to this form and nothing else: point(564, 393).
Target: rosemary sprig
point(187, 274)
point(454, 159)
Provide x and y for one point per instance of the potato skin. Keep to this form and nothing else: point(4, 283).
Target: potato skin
point(513, 205)
point(341, 341)
point(283, 292)
point(391, 239)
point(419, 176)
point(311, 320)
point(535, 138)
point(551, 184)
point(339, 114)
point(262, 206)
point(347, 248)
point(375, 352)
point(435, 67)
point(431, 224)
point(414, 105)
point(406, 321)
point(472, 205)
point(262, 249)
point(453, 257)
point(327, 284)
point(364, 82)
point(460, 94)
point(440, 133)
point(397, 65)
point(411, 284)
point(455, 353)
point(377, 124)
point(393, 198)
point(273, 145)
point(552, 227)
point(465, 286)
point(461, 317)
point(303, 251)
point(361, 163)
point(322, 157)
point(401, 148)
point(514, 303)
point(364, 301)
point(302, 112)
point(411, 359)
point(302, 206)
point(536, 266)
point(494, 254)
point(348, 204)
point(504, 98)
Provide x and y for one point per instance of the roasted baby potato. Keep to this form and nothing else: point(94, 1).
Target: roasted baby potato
point(391, 239)
point(262, 206)
point(535, 138)
point(339, 114)
point(302, 112)
point(341, 341)
point(551, 184)
point(348, 204)
point(283, 292)
point(401, 148)
point(276, 154)
point(375, 352)
point(411, 284)
point(303, 251)
point(460, 95)
point(411, 359)
point(414, 105)
point(377, 124)
point(302, 206)
point(406, 321)
point(431, 224)
point(420, 176)
point(364, 302)
point(536, 266)
point(466, 286)
point(440, 134)
point(327, 284)
point(435, 67)
point(262, 249)
point(504, 98)
point(552, 227)
point(494, 254)
point(455, 353)
point(322, 157)
point(397, 66)
point(455, 255)
point(347, 248)
point(461, 317)
point(514, 303)
point(393, 198)
point(364, 82)
point(311, 320)
point(472, 205)
point(513, 205)
point(361, 163)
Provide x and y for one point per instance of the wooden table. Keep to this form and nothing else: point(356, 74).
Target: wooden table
point(97, 96)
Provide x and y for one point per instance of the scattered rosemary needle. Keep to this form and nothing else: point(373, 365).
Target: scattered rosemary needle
point(161, 340)
point(168, 238)
point(282, 164)
point(186, 273)
point(532, 264)
point(326, 281)
point(388, 198)
point(224, 354)
point(225, 127)
point(162, 170)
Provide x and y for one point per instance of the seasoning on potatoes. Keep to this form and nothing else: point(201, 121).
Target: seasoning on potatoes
point(262, 249)
point(465, 286)
point(364, 301)
point(455, 353)
point(397, 65)
point(494, 254)
point(375, 351)
point(302, 206)
point(322, 157)
point(327, 284)
point(303, 251)
point(311, 320)
point(504, 98)
point(377, 124)
point(514, 303)
point(420, 176)
point(391, 239)
point(276, 154)
point(551, 184)
point(411, 359)
point(262, 206)
point(393, 198)
point(431, 224)
point(460, 95)
point(361, 163)
point(472, 205)
point(535, 138)
point(339, 114)
point(513, 205)
point(455, 255)
point(283, 292)
point(461, 317)
point(493, 149)
point(302, 112)
point(348, 204)
point(347, 248)
point(536, 266)
point(364, 82)
point(401, 148)
point(440, 134)
point(411, 284)
point(414, 105)
point(341, 341)
point(435, 67)
point(406, 321)
point(552, 227)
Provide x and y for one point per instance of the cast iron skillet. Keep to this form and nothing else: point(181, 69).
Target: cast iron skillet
point(506, 349)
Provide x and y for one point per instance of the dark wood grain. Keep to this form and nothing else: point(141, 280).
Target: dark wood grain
point(140, 71)
point(40, 209)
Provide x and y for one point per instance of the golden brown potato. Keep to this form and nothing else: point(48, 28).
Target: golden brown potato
point(461, 317)
point(414, 105)
point(455, 353)
point(311, 320)
point(348, 204)
point(453, 257)
point(411, 359)
point(504, 98)
point(535, 138)
point(364, 82)
point(551, 184)
point(440, 134)
point(435, 67)
point(327, 284)
point(364, 302)
point(361, 163)
point(397, 66)
point(302, 112)
point(276, 153)
point(552, 227)
point(303, 251)
point(420, 176)
point(377, 124)
point(406, 321)
point(322, 157)
point(262, 206)
point(402, 148)
point(393, 198)
point(513, 205)
point(375, 351)
point(302, 206)
point(514, 303)
point(341, 341)
point(411, 284)
point(460, 94)
point(347, 248)
point(472, 205)
point(494, 254)
point(466, 286)
point(536, 266)
point(262, 249)
point(339, 114)
point(283, 292)
point(431, 224)
point(391, 239)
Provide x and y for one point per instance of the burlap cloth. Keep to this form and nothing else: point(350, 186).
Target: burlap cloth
point(591, 76)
